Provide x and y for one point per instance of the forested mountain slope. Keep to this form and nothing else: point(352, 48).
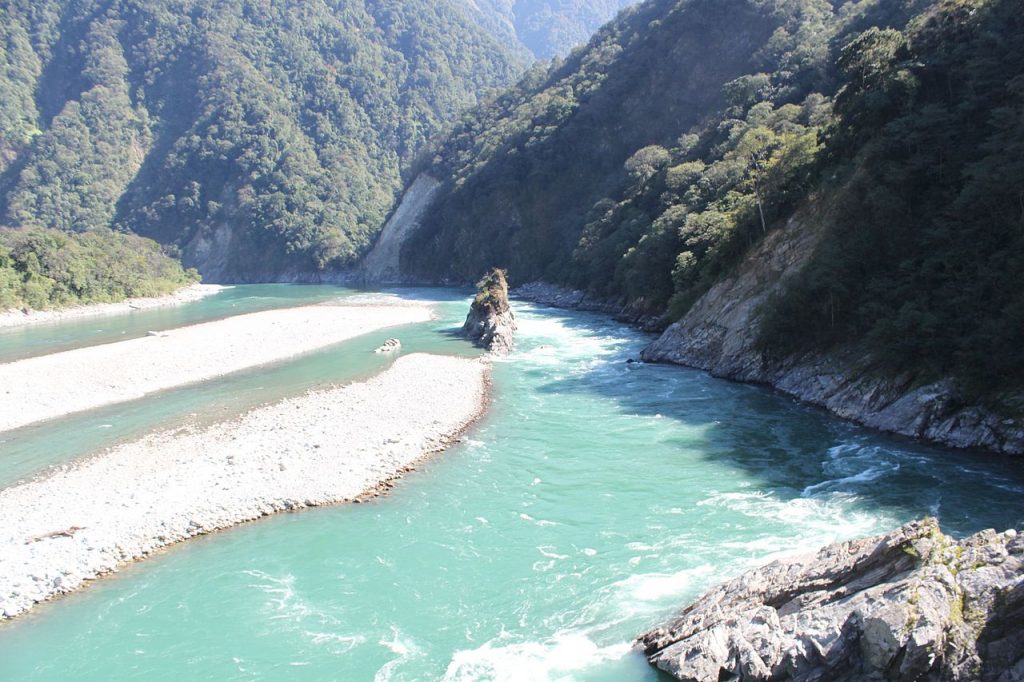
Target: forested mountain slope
point(547, 28)
point(647, 168)
point(578, 158)
point(263, 138)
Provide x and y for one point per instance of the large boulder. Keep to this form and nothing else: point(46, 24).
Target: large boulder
point(910, 605)
point(491, 323)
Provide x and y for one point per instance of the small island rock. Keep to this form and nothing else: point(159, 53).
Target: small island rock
point(491, 323)
point(389, 346)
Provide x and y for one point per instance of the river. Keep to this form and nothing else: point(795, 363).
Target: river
point(596, 498)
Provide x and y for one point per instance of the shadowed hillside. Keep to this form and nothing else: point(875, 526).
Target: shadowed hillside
point(264, 139)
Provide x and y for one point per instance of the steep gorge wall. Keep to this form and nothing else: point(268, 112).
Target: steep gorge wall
point(888, 292)
point(719, 335)
point(262, 142)
point(521, 174)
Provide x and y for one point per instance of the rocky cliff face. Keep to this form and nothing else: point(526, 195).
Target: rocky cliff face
point(381, 264)
point(491, 323)
point(910, 605)
point(718, 335)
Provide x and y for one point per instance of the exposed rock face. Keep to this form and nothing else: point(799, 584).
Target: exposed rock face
point(210, 249)
point(719, 331)
point(910, 605)
point(381, 264)
point(718, 335)
point(491, 323)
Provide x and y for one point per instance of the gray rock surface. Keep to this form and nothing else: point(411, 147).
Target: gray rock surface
point(718, 335)
point(382, 263)
point(491, 324)
point(910, 605)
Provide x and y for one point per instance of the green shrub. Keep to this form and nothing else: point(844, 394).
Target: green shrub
point(42, 268)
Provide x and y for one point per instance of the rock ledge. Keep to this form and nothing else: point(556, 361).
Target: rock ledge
point(910, 605)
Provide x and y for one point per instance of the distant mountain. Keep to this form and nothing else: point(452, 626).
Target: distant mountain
point(264, 139)
point(547, 28)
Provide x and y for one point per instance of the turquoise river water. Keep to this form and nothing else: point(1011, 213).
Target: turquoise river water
point(595, 499)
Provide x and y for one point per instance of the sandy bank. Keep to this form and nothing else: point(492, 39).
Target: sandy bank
point(54, 385)
point(194, 292)
point(325, 447)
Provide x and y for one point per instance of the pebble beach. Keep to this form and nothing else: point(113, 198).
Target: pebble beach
point(328, 446)
point(51, 386)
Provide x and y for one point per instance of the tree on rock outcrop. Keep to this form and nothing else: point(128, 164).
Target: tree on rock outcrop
point(491, 323)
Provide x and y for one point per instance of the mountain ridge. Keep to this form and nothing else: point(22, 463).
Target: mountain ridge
point(912, 274)
point(258, 139)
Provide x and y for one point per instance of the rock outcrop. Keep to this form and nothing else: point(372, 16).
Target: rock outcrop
point(719, 335)
point(910, 605)
point(913, 604)
point(389, 346)
point(491, 323)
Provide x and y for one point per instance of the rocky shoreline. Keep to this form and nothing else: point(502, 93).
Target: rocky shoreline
point(189, 294)
point(718, 335)
point(718, 340)
point(51, 386)
point(557, 296)
point(910, 605)
point(337, 445)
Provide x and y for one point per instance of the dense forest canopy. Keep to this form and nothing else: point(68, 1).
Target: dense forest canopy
point(42, 268)
point(645, 166)
point(263, 137)
point(672, 82)
point(924, 254)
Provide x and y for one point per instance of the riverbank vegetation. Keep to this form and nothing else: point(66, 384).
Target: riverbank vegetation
point(42, 269)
